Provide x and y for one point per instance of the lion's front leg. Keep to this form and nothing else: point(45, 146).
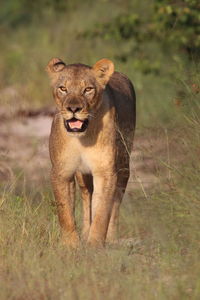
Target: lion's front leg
point(102, 202)
point(64, 195)
point(85, 183)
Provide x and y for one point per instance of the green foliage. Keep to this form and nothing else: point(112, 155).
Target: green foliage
point(179, 23)
point(16, 13)
point(170, 25)
point(123, 26)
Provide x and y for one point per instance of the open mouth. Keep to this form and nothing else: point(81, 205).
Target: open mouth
point(75, 125)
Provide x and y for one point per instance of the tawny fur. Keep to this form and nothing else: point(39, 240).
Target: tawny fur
point(98, 157)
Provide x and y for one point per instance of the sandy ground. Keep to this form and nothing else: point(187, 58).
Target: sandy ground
point(24, 151)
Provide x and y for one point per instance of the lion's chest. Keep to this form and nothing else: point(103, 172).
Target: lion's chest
point(85, 165)
point(96, 160)
point(89, 160)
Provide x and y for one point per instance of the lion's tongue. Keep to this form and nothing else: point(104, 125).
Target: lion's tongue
point(75, 124)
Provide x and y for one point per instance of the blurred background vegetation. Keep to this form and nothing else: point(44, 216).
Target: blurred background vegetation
point(156, 43)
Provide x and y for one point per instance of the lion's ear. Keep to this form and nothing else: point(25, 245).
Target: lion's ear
point(55, 65)
point(103, 69)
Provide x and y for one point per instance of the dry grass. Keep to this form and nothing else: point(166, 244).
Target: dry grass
point(157, 258)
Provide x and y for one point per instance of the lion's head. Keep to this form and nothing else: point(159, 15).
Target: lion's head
point(77, 90)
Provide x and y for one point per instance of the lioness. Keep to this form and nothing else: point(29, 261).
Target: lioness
point(91, 140)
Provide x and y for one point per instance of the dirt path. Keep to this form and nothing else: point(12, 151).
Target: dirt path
point(24, 151)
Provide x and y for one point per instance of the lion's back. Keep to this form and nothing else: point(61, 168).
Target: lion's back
point(124, 100)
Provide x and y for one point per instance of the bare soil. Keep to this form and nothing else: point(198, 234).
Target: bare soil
point(24, 150)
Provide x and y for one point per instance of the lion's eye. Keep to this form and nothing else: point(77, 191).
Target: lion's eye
point(63, 89)
point(88, 89)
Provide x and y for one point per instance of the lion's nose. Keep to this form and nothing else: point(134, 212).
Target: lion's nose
point(74, 109)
